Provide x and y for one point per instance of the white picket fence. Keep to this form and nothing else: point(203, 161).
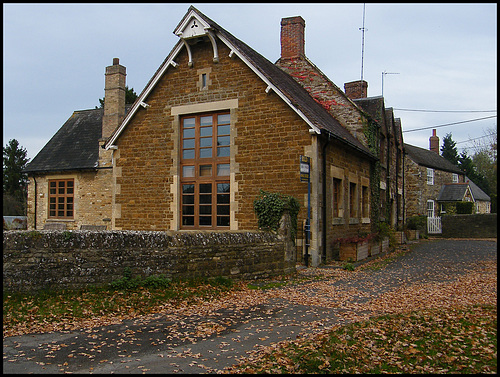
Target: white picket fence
point(434, 225)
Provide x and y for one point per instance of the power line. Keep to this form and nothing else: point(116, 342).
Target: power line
point(449, 124)
point(448, 111)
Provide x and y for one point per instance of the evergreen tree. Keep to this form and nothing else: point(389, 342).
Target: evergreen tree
point(449, 150)
point(14, 180)
point(130, 97)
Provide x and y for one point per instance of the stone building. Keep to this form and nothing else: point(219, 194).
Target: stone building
point(217, 123)
point(425, 173)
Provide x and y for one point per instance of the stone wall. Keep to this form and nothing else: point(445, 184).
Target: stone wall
point(467, 226)
point(34, 260)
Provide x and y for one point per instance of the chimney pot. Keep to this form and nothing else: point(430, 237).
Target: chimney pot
point(292, 37)
point(116, 61)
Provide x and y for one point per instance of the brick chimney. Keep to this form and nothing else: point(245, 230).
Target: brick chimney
point(434, 142)
point(292, 37)
point(114, 97)
point(356, 89)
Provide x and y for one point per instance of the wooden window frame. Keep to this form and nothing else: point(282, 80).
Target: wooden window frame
point(430, 176)
point(201, 208)
point(336, 196)
point(61, 199)
point(353, 200)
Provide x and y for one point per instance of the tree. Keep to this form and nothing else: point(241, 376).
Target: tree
point(449, 150)
point(130, 97)
point(14, 180)
point(485, 161)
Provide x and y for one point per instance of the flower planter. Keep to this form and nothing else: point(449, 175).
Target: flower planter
point(413, 234)
point(374, 247)
point(353, 251)
point(400, 237)
point(384, 245)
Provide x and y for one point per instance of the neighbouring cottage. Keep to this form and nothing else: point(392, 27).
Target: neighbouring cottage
point(432, 183)
point(216, 123)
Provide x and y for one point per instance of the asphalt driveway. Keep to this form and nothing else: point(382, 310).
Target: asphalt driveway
point(209, 340)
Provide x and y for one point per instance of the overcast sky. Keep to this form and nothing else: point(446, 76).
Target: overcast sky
point(445, 57)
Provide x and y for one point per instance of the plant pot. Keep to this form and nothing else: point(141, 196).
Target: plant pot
point(353, 251)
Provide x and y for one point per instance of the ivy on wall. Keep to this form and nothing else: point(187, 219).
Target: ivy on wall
point(269, 208)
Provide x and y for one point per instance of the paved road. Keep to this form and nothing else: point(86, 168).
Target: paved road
point(211, 340)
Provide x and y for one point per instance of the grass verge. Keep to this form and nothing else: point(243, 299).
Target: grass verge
point(451, 340)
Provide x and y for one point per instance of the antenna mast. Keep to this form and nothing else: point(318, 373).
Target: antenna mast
point(362, 41)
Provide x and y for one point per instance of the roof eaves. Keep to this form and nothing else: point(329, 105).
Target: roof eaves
point(149, 87)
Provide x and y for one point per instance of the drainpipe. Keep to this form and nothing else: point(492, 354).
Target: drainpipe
point(323, 153)
point(36, 194)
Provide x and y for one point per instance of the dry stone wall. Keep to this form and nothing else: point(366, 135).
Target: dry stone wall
point(34, 260)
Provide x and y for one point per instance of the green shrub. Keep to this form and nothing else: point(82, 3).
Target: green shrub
point(269, 208)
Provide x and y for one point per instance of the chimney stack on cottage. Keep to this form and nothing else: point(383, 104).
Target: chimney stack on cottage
point(292, 37)
point(114, 97)
point(356, 89)
point(434, 142)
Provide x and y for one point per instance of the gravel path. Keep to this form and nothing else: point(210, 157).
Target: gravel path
point(213, 336)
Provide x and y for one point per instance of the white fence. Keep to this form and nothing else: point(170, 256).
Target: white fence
point(434, 225)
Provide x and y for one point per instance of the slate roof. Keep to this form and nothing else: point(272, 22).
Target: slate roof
point(477, 193)
point(293, 91)
point(430, 159)
point(74, 147)
point(452, 192)
point(299, 96)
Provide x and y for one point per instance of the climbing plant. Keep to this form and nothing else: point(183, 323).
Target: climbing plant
point(269, 208)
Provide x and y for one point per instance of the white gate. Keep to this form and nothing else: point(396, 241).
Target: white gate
point(434, 225)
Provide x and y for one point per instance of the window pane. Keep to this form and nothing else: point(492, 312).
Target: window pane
point(205, 210)
point(188, 210)
point(205, 170)
point(223, 130)
point(206, 131)
point(189, 122)
point(60, 213)
point(205, 142)
point(223, 152)
point(52, 191)
point(222, 187)
point(188, 154)
point(61, 191)
point(187, 220)
point(206, 121)
point(223, 170)
point(61, 183)
point(223, 210)
point(187, 199)
point(223, 140)
point(188, 143)
point(206, 188)
point(69, 184)
point(205, 220)
point(188, 189)
point(222, 220)
point(69, 190)
point(188, 171)
point(52, 184)
point(205, 199)
point(206, 153)
point(223, 118)
point(223, 199)
point(188, 132)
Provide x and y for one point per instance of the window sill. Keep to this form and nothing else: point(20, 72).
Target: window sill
point(338, 221)
point(353, 221)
